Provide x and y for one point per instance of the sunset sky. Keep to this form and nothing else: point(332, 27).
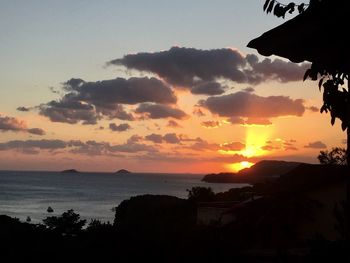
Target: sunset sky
point(150, 86)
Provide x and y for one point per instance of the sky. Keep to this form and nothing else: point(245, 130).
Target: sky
point(151, 86)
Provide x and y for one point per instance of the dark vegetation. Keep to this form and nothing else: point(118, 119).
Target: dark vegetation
point(164, 228)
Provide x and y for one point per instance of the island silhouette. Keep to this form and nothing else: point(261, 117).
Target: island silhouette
point(122, 171)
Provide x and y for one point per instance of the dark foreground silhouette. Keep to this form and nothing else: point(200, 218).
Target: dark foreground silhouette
point(296, 218)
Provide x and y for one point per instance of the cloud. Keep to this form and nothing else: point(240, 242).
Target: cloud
point(31, 146)
point(236, 120)
point(68, 110)
point(36, 131)
point(251, 106)
point(198, 112)
point(316, 145)
point(279, 144)
point(202, 145)
point(13, 124)
point(277, 69)
point(76, 147)
point(171, 138)
point(156, 138)
point(119, 128)
point(173, 124)
point(87, 102)
point(313, 109)
point(233, 146)
point(257, 121)
point(208, 88)
point(211, 124)
point(249, 90)
point(184, 67)
point(23, 109)
point(122, 91)
point(132, 147)
point(160, 111)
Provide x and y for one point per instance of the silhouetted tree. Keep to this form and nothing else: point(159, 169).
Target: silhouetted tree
point(336, 156)
point(68, 223)
point(317, 35)
point(201, 194)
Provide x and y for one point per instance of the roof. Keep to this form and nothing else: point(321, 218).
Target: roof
point(320, 34)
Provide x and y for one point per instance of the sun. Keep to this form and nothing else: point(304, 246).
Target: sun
point(236, 167)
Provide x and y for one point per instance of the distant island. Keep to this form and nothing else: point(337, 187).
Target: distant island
point(69, 171)
point(123, 171)
point(259, 172)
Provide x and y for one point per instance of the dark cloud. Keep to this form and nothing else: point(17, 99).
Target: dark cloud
point(33, 145)
point(23, 109)
point(233, 146)
point(208, 88)
point(277, 69)
point(91, 147)
point(247, 105)
point(313, 109)
point(184, 67)
point(202, 145)
point(291, 148)
point(210, 124)
point(316, 145)
point(36, 131)
point(13, 124)
point(160, 111)
point(173, 124)
point(134, 138)
point(171, 138)
point(77, 147)
point(119, 128)
point(107, 93)
point(70, 111)
point(87, 102)
point(132, 147)
point(156, 138)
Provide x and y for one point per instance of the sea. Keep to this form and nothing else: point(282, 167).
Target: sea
point(92, 195)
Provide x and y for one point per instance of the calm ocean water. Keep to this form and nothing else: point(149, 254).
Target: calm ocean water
point(92, 195)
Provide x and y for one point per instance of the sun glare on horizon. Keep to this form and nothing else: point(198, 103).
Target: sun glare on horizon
point(236, 167)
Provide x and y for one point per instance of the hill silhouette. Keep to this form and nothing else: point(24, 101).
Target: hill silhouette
point(261, 171)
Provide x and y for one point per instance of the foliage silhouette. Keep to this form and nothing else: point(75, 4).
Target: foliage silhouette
point(69, 223)
point(336, 156)
point(280, 9)
point(201, 194)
